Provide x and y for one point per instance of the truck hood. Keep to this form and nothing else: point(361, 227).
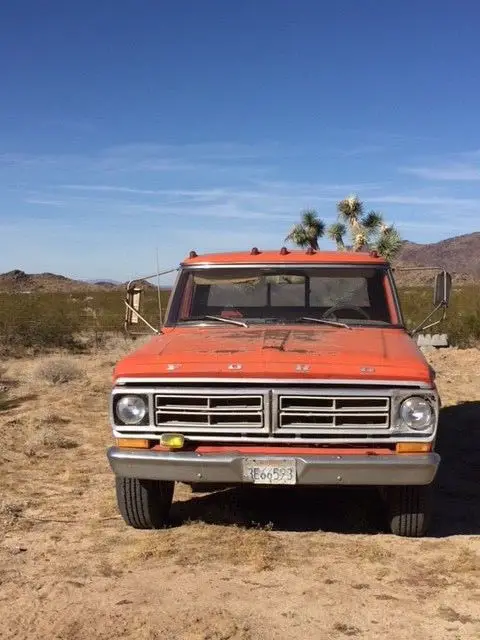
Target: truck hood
point(286, 352)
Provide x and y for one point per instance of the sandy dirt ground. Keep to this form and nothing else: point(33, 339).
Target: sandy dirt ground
point(236, 564)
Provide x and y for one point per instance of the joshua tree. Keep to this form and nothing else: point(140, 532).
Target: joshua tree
point(336, 232)
point(350, 210)
point(307, 232)
point(389, 243)
point(367, 231)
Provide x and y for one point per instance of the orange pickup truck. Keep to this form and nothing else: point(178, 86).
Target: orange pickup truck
point(278, 368)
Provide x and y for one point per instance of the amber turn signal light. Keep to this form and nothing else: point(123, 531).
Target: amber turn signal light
point(413, 447)
point(133, 443)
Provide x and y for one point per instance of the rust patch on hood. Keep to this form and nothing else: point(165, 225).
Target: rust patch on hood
point(276, 339)
point(273, 338)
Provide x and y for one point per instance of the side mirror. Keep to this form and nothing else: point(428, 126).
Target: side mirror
point(132, 305)
point(441, 289)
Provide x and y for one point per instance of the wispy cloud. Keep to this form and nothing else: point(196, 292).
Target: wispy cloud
point(361, 150)
point(272, 204)
point(449, 173)
point(155, 158)
point(457, 167)
point(383, 138)
point(320, 188)
point(46, 203)
point(203, 151)
point(187, 194)
point(426, 200)
point(108, 188)
point(25, 160)
point(259, 200)
point(281, 188)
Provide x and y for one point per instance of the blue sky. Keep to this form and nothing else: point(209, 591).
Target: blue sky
point(132, 126)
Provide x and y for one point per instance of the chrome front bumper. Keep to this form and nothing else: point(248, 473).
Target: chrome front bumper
point(227, 468)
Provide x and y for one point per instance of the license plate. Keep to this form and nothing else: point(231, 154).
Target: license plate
point(279, 471)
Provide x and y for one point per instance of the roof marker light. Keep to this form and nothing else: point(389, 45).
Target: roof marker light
point(193, 254)
point(284, 251)
point(374, 254)
point(310, 251)
point(254, 251)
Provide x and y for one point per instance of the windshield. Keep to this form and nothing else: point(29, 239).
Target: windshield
point(351, 295)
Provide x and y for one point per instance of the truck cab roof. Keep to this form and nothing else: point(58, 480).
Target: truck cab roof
point(284, 256)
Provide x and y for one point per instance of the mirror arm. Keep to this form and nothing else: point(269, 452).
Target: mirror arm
point(130, 286)
point(422, 324)
point(432, 324)
point(141, 318)
point(154, 275)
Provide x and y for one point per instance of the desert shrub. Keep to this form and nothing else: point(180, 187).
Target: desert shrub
point(51, 417)
point(43, 322)
point(462, 324)
point(47, 438)
point(6, 384)
point(11, 511)
point(3, 400)
point(30, 323)
point(464, 329)
point(58, 371)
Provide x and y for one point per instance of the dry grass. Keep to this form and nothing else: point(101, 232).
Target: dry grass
point(462, 566)
point(58, 371)
point(235, 546)
point(237, 565)
point(50, 438)
point(11, 511)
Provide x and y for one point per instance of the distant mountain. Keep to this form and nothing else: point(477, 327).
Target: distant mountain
point(18, 281)
point(459, 255)
point(104, 281)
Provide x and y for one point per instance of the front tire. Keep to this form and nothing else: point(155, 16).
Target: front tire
point(409, 509)
point(144, 504)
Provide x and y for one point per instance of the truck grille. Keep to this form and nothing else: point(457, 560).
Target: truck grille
point(272, 413)
point(259, 413)
point(320, 414)
point(219, 411)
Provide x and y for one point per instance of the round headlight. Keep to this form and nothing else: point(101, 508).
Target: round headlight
point(416, 413)
point(131, 409)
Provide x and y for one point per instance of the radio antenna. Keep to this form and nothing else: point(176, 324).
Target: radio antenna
point(159, 294)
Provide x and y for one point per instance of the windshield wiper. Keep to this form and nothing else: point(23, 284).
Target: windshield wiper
point(324, 321)
point(238, 323)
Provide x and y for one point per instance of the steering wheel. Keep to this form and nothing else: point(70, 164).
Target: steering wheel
point(351, 307)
